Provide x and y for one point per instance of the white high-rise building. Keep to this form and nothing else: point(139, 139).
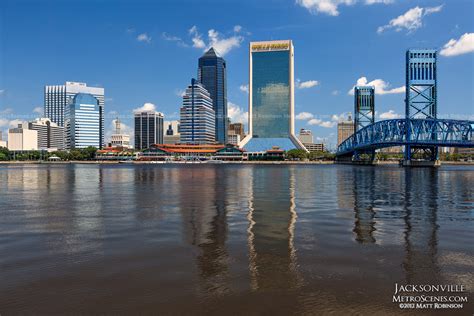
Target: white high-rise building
point(58, 97)
point(21, 138)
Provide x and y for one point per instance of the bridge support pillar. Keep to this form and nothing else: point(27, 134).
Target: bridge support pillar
point(421, 163)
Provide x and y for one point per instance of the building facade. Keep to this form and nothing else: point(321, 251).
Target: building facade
point(119, 139)
point(172, 135)
point(197, 116)
point(312, 147)
point(2, 142)
point(237, 129)
point(271, 97)
point(345, 129)
point(212, 75)
point(51, 136)
point(148, 129)
point(84, 122)
point(233, 139)
point(305, 136)
point(22, 139)
point(58, 97)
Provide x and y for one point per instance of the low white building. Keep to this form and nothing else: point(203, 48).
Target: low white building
point(22, 138)
point(119, 139)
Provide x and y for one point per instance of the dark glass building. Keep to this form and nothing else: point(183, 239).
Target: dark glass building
point(212, 75)
point(148, 129)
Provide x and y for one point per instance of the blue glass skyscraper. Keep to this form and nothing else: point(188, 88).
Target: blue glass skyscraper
point(212, 75)
point(83, 122)
point(271, 97)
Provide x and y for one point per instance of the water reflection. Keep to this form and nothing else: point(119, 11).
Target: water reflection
point(272, 219)
point(421, 241)
point(196, 237)
point(364, 206)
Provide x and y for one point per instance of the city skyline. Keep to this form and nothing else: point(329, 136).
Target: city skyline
point(327, 64)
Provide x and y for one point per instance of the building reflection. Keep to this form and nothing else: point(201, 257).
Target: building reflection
point(271, 230)
point(203, 207)
point(421, 241)
point(364, 204)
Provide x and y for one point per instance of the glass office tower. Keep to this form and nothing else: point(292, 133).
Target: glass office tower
point(271, 97)
point(83, 122)
point(212, 75)
point(148, 129)
point(197, 124)
point(58, 97)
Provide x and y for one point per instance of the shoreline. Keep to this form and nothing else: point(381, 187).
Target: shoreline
point(467, 163)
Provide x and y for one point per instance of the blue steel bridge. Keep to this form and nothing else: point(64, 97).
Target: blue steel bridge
point(416, 133)
point(420, 130)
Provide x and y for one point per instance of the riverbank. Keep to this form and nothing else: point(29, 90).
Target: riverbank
point(207, 162)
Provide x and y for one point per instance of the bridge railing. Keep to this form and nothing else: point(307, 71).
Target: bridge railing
point(421, 132)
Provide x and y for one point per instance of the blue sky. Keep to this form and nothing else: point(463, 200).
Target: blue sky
point(147, 51)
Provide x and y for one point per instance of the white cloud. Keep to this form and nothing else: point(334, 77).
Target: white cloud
point(38, 109)
point(244, 88)
point(410, 20)
point(306, 84)
point(221, 44)
point(463, 45)
point(237, 113)
point(330, 7)
point(335, 92)
point(381, 87)
point(197, 40)
point(370, 2)
point(319, 122)
point(145, 107)
point(2, 91)
point(180, 92)
point(389, 115)
point(6, 111)
point(304, 116)
point(172, 38)
point(144, 38)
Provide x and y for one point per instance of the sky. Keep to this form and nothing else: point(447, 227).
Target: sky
point(144, 53)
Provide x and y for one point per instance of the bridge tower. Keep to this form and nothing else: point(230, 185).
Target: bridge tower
point(421, 89)
point(364, 106)
point(364, 111)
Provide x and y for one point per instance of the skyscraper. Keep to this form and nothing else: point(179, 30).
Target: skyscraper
point(345, 129)
point(148, 129)
point(212, 75)
point(271, 97)
point(84, 122)
point(50, 135)
point(58, 97)
point(197, 117)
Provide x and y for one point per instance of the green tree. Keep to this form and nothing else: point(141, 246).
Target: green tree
point(88, 152)
point(4, 153)
point(296, 154)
